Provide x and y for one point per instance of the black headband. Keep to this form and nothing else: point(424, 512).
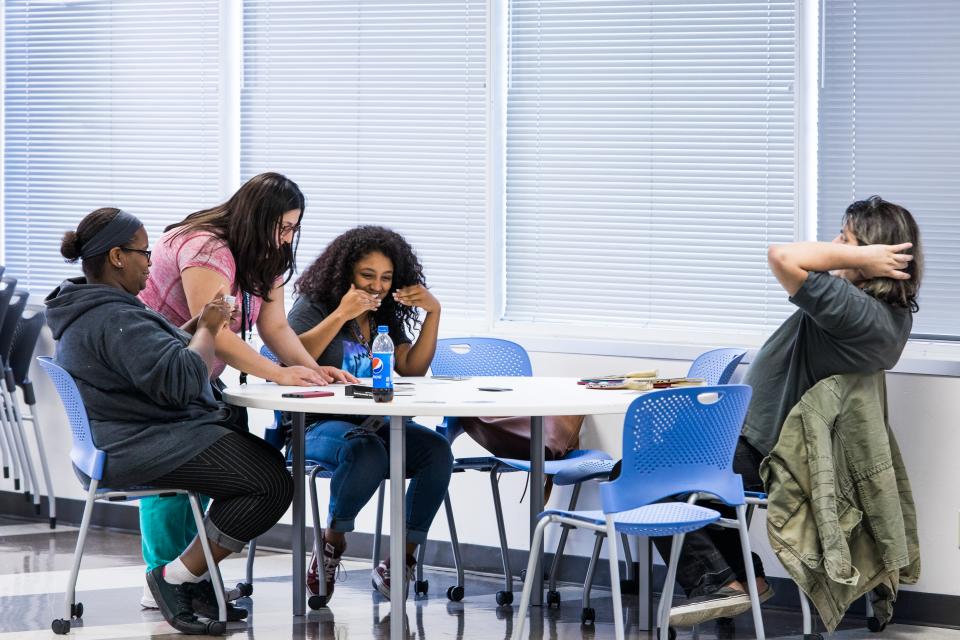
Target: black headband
point(118, 232)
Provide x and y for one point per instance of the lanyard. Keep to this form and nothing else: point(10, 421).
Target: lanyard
point(246, 325)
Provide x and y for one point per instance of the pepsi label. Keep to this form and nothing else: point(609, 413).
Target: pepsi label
point(382, 368)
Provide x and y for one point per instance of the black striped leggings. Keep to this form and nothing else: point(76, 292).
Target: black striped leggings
point(248, 481)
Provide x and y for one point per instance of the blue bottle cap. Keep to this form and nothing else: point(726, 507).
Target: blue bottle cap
point(383, 329)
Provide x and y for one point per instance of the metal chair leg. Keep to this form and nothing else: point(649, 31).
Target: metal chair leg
point(614, 562)
point(455, 545)
point(666, 596)
point(378, 532)
point(10, 442)
point(18, 421)
point(215, 578)
point(805, 609)
point(558, 554)
point(44, 466)
point(591, 572)
point(501, 529)
point(532, 568)
point(751, 577)
point(318, 535)
point(70, 597)
point(251, 554)
point(627, 558)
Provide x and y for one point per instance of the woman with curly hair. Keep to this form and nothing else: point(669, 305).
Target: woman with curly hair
point(366, 277)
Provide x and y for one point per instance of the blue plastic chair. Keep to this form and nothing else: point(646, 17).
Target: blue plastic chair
point(90, 461)
point(276, 435)
point(675, 442)
point(494, 357)
point(716, 366)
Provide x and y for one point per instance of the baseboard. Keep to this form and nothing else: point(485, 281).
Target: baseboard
point(913, 607)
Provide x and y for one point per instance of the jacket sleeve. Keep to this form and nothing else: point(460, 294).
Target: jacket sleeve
point(837, 561)
point(154, 359)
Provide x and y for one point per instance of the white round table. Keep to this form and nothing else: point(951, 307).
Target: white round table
point(526, 396)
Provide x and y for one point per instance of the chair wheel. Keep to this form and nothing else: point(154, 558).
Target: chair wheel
point(629, 586)
point(420, 587)
point(553, 598)
point(216, 628)
point(317, 602)
point(76, 610)
point(588, 615)
point(455, 594)
point(245, 589)
point(523, 574)
point(60, 626)
point(504, 598)
point(873, 624)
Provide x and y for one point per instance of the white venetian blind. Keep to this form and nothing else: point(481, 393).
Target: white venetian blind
point(106, 103)
point(650, 161)
point(889, 126)
point(377, 110)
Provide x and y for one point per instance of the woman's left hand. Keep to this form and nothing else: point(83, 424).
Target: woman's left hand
point(417, 296)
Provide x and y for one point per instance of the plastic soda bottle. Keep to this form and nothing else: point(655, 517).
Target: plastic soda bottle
point(382, 366)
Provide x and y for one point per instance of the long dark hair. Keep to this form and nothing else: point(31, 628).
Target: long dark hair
point(248, 223)
point(876, 221)
point(328, 279)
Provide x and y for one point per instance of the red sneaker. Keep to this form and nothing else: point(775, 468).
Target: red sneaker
point(331, 566)
point(380, 577)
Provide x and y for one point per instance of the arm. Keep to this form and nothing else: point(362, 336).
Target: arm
point(791, 263)
point(277, 334)
point(415, 360)
point(199, 285)
point(317, 338)
point(206, 326)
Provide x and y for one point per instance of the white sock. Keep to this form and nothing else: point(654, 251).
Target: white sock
point(177, 573)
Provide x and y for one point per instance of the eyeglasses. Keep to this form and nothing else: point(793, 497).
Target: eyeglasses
point(145, 252)
point(286, 228)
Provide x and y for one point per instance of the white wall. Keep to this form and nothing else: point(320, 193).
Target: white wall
point(923, 412)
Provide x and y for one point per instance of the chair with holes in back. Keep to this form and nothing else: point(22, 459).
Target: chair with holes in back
point(477, 357)
point(90, 462)
point(21, 355)
point(677, 441)
point(276, 435)
point(8, 443)
point(714, 367)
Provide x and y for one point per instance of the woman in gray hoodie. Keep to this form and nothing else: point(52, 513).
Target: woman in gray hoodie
point(145, 385)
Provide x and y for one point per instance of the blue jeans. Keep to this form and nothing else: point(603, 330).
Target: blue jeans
point(360, 459)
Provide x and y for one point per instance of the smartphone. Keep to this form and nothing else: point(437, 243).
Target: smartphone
point(455, 378)
point(494, 389)
point(308, 394)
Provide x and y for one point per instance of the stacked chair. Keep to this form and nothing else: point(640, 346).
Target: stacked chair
point(90, 462)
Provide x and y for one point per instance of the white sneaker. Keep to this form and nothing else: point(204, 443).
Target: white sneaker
point(146, 600)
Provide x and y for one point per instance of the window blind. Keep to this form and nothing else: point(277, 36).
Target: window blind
point(377, 110)
point(888, 126)
point(105, 104)
point(650, 162)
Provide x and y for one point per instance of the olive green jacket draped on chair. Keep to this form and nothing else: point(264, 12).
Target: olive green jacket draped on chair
point(841, 516)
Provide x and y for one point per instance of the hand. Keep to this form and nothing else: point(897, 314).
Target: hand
point(356, 302)
point(417, 296)
point(215, 314)
point(337, 375)
point(886, 261)
point(298, 376)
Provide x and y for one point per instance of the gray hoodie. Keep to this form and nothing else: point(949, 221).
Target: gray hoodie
point(147, 396)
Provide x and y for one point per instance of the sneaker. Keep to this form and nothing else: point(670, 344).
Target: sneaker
point(331, 569)
point(205, 604)
point(723, 603)
point(381, 577)
point(146, 600)
point(175, 603)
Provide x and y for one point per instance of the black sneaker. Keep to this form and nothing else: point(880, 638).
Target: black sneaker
point(175, 603)
point(205, 604)
point(723, 603)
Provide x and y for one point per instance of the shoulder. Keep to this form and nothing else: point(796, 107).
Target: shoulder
point(201, 249)
point(306, 313)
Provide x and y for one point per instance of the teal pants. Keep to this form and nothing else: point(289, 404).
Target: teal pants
point(166, 528)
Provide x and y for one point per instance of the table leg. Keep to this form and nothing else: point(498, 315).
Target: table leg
point(536, 502)
point(298, 544)
point(644, 567)
point(398, 527)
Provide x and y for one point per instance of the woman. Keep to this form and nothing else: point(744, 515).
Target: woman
point(856, 299)
point(367, 277)
point(244, 247)
point(146, 387)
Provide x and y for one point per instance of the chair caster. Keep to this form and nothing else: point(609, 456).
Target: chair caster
point(455, 594)
point(588, 615)
point(245, 589)
point(504, 598)
point(553, 599)
point(420, 587)
point(629, 586)
point(53, 523)
point(317, 602)
point(60, 626)
point(76, 610)
point(216, 628)
point(873, 624)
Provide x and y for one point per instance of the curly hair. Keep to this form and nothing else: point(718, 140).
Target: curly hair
point(328, 279)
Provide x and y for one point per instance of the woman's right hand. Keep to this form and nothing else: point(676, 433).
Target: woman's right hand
point(297, 376)
point(215, 314)
point(355, 302)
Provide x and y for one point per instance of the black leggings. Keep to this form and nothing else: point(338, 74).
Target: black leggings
point(248, 481)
